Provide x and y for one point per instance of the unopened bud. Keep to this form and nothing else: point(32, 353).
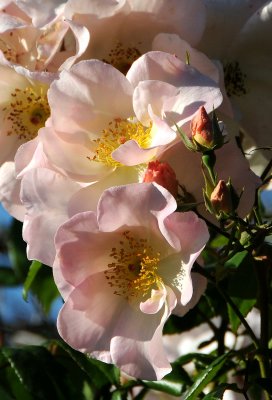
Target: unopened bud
point(163, 174)
point(206, 133)
point(201, 127)
point(221, 198)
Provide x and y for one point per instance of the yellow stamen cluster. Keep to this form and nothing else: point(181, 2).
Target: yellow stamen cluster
point(118, 132)
point(27, 112)
point(133, 273)
point(122, 57)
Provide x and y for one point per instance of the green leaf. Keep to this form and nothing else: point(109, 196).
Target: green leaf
point(245, 306)
point(174, 383)
point(236, 260)
point(33, 270)
point(17, 251)
point(203, 358)
point(35, 370)
point(14, 385)
point(242, 286)
point(44, 287)
point(218, 393)
point(100, 373)
point(117, 395)
point(187, 142)
point(173, 388)
point(205, 377)
point(219, 241)
point(4, 395)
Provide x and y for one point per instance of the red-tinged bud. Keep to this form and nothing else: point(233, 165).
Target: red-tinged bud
point(201, 127)
point(206, 133)
point(163, 174)
point(221, 198)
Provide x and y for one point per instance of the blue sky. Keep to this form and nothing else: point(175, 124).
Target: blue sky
point(13, 308)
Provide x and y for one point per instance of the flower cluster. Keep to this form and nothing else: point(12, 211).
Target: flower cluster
point(101, 106)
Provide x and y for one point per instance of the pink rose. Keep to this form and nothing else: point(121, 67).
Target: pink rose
point(122, 271)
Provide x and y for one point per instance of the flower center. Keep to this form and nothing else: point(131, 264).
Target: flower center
point(9, 52)
point(133, 272)
point(234, 79)
point(118, 132)
point(27, 112)
point(122, 57)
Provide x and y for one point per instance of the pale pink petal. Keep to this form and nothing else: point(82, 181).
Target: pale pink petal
point(184, 17)
point(101, 8)
point(40, 76)
point(138, 356)
point(130, 153)
point(10, 191)
point(72, 155)
point(155, 302)
point(199, 286)
point(89, 315)
point(226, 107)
point(79, 242)
point(252, 50)
point(94, 320)
point(196, 237)
point(153, 93)
point(180, 109)
point(194, 88)
point(46, 211)
point(9, 22)
point(161, 66)
point(41, 12)
point(224, 20)
point(173, 44)
point(87, 198)
point(82, 37)
point(30, 156)
point(49, 45)
point(189, 235)
point(161, 132)
point(88, 96)
point(150, 203)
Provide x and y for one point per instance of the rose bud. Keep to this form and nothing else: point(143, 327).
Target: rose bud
point(206, 133)
point(163, 174)
point(221, 198)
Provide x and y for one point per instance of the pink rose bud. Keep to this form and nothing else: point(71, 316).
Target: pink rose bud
point(206, 132)
point(163, 174)
point(221, 198)
point(201, 127)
